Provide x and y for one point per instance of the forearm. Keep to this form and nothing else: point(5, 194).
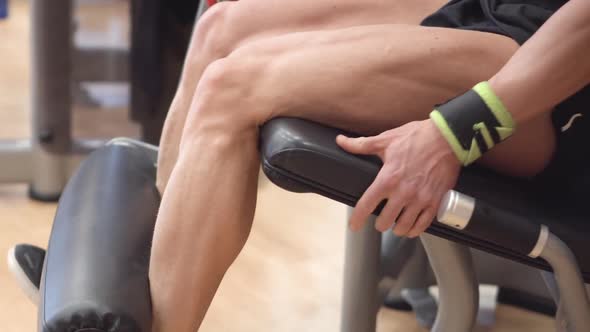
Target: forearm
point(549, 67)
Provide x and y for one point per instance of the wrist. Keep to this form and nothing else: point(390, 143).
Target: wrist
point(440, 143)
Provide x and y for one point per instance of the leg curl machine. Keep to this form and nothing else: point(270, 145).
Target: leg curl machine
point(95, 276)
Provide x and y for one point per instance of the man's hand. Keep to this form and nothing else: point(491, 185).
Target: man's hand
point(419, 167)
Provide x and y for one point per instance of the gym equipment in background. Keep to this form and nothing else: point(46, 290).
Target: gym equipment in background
point(159, 39)
point(46, 160)
point(160, 35)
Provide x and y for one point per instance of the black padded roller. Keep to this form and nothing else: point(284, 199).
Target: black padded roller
point(95, 276)
point(302, 156)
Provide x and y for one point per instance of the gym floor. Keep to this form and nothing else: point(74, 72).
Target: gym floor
point(289, 276)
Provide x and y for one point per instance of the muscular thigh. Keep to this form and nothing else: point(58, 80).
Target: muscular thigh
point(252, 19)
point(368, 78)
point(372, 78)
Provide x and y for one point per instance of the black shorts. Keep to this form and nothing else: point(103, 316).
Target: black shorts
point(568, 172)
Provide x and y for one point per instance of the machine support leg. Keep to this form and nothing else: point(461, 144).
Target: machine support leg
point(573, 300)
point(458, 289)
point(361, 277)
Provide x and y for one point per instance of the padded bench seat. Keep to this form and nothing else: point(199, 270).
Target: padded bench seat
point(302, 156)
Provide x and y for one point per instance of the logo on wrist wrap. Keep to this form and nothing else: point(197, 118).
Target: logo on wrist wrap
point(473, 123)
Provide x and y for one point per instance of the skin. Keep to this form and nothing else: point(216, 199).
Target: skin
point(234, 82)
point(229, 25)
point(412, 195)
point(547, 62)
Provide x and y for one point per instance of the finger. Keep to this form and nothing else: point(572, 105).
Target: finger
point(423, 222)
point(358, 145)
point(407, 219)
point(389, 214)
point(366, 205)
point(428, 214)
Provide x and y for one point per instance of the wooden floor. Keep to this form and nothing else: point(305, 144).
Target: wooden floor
point(288, 277)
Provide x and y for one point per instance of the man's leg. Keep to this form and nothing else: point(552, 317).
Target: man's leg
point(228, 25)
point(366, 79)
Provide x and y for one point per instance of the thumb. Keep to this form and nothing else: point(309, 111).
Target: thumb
point(358, 145)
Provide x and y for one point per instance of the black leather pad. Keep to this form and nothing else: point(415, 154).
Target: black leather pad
point(302, 156)
point(95, 276)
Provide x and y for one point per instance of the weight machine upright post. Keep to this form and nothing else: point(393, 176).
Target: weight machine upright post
point(51, 35)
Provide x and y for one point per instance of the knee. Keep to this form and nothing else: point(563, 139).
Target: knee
point(232, 94)
point(214, 33)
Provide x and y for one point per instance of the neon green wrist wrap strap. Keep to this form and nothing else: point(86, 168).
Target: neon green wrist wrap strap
point(473, 122)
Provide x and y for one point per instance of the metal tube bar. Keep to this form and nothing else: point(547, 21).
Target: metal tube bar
point(458, 289)
point(101, 65)
point(51, 33)
point(361, 277)
point(50, 175)
point(572, 293)
point(16, 161)
point(51, 73)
